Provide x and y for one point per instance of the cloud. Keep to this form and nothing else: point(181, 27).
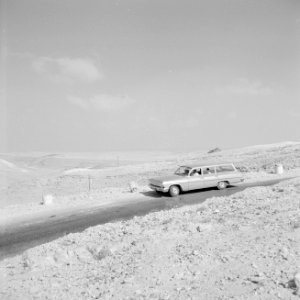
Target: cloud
point(102, 102)
point(244, 87)
point(78, 102)
point(22, 55)
point(232, 115)
point(294, 114)
point(199, 112)
point(190, 123)
point(67, 70)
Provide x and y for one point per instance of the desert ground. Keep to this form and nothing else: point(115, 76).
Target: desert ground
point(245, 246)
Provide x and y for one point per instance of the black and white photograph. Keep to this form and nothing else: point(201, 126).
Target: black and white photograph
point(150, 149)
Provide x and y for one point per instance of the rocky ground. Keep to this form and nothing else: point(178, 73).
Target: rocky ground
point(245, 246)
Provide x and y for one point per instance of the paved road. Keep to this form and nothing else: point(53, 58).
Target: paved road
point(18, 238)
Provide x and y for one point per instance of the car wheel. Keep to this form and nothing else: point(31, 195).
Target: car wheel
point(222, 185)
point(174, 191)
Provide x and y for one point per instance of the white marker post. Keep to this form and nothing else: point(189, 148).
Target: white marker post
point(279, 169)
point(90, 183)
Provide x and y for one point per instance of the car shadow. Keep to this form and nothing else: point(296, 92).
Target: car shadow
point(205, 190)
point(154, 194)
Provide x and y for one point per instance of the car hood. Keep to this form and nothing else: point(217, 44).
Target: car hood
point(165, 179)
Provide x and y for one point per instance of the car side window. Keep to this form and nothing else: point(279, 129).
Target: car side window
point(209, 171)
point(225, 168)
point(196, 172)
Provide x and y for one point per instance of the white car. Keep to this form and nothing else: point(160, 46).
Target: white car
point(193, 177)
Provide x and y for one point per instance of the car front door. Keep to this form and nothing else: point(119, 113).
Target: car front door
point(195, 179)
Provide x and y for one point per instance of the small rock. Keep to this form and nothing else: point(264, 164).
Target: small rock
point(295, 224)
point(99, 252)
point(229, 278)
point(297, 282)
point(132, 186)
point(214, 150)
point(224, 259)
point(26, 261)
point(284, 253)
point(83, 254)
point(93, 291)
point(204, 227)
point(201, 209)
point(290, 284)
point(61, 257)
point(257, 278)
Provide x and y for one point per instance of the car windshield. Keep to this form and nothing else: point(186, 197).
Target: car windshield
point(183, 171)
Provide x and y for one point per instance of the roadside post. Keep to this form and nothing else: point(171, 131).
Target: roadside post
point(90, 182)
point(279, 169)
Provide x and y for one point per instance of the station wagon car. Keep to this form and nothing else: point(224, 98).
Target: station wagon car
point(193, 177)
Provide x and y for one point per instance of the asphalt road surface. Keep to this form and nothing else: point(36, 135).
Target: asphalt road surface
point(20, 237)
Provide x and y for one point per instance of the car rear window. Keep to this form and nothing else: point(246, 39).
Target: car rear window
point(225, 168)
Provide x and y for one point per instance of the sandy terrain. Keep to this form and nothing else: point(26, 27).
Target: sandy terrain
point(25, 178)
point(246, 246)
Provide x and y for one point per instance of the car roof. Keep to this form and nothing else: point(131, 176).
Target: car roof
point(206, 164)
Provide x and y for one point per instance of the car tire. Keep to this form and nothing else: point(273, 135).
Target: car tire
point(174, 190)
point(222, 185)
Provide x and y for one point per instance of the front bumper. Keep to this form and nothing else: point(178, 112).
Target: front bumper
point(158, 188)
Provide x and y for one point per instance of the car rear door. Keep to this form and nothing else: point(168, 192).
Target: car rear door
point(209, 175)
point(195, 180)
point(225, 172)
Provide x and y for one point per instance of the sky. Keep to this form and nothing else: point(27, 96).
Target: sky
point(134, 75)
